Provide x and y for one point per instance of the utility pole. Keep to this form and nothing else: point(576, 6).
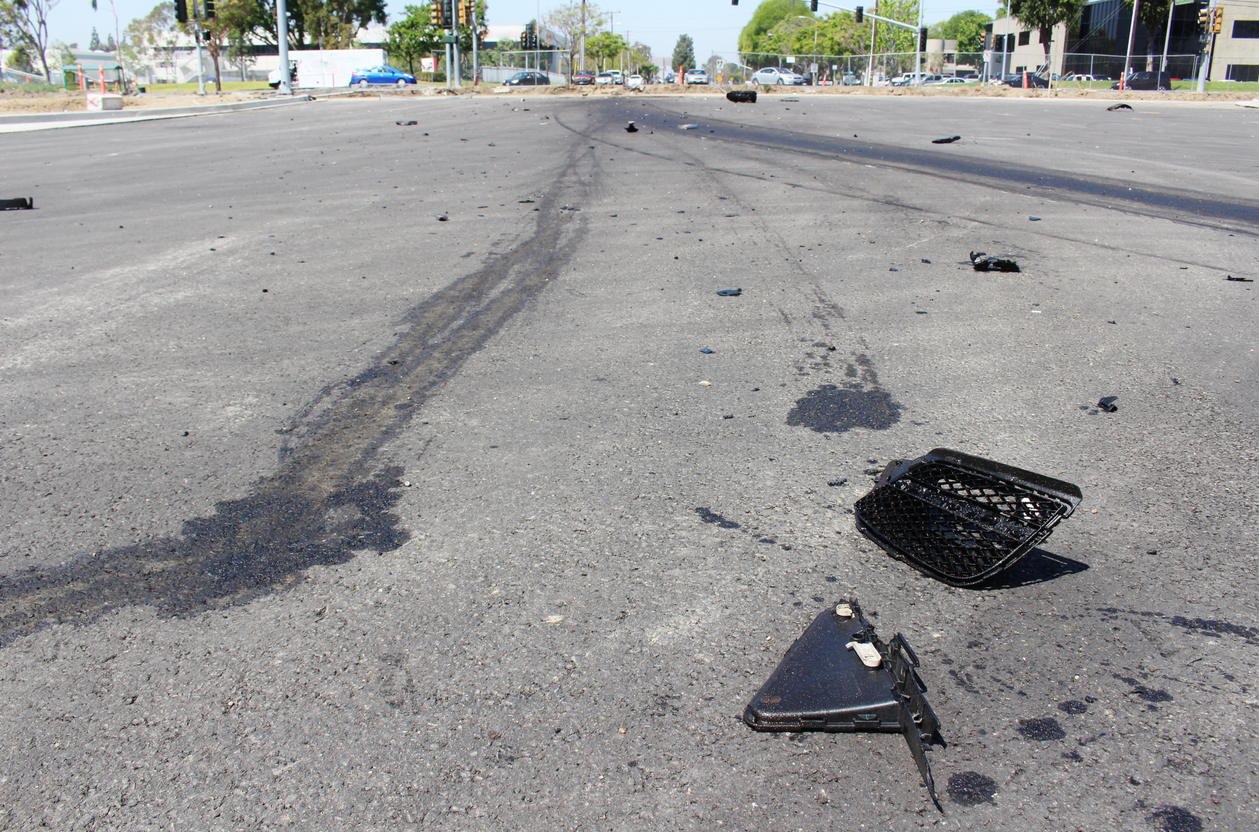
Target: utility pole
point(282, 35)
point(1167, 41)
point(583, 35)
point(476, 64)
point(874, 28)
point(1132, 33)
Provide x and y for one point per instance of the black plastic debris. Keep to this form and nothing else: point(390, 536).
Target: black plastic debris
point(948, 140)
point(981, 262)
point(742, 96)
point(840, 677)
point(706, 351)
point(630, 128)
point(1119, 107)
point(1107, 404)
point(925, 260)
point(1240, 279)
point(525, 202)
point(920, 311)
point(406, 123)
point(21, 203)
point(838, 482)
point(728, 416)
point(442, 218)
point(961, 519)
point(730, 293)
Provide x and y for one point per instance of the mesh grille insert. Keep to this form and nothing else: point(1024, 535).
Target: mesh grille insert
point(962, 519)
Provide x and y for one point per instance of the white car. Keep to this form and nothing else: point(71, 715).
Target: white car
point(948, 81)
point(695, 76)
point(634, 82)
point(777, 75)
point(608, 78)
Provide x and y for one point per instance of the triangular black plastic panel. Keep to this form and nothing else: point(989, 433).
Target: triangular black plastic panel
point(822, 685)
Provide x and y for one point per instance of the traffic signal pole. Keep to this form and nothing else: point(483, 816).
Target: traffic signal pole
point(918, 30)
point(282, 35)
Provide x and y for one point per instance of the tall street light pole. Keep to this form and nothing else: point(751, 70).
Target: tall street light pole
point(282, 35)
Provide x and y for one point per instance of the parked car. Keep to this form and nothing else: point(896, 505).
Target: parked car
point(381, 75)
point(583, 78)
point(1147, 81)
point(696, 76)
point(528, 78)
point(608, 78)
point(948, 81)
point(777, 75)
point(634, 82)
point(671, 77)
point(1033, 81)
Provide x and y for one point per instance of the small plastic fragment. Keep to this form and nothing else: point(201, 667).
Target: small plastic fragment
point(21, 203)
point(843, 610)
point(688, 126)
point(1119, 107)
point(1033, 219)
point(706, 351)
point(728, 416)
point(730, 293)
point(742, 96)
point(865, 651)
point(406, 123)
point(1240, 279)
point(981, 262)
point(925, 260)
point(442, 218)
point(705, 384)
point(920, 311)
point(838, 482)
point(1107, 403)
point(947, 140)
point(630, 128)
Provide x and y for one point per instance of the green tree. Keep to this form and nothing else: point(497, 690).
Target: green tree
point(25, 23)
point(1044, 15)
point(683, 54)
point(413, 37)
point(334, 23)
point(19, 58)
point(604, 48)
point(150, 40)
point(94, 42)
point(1153, 16)
point(575, 21)
point(756, 35)
point(967, 28)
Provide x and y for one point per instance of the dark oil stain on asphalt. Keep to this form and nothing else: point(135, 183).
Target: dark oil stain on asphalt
point(329, 498)
point(1144, 693)
point(970, 788)
point(1175, 819)
point(715, 519)
point(1043, 729)
point(861, 403)
point(1206, 626)
point(1074, 707)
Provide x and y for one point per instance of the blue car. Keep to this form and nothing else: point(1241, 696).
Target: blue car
point(381, 75)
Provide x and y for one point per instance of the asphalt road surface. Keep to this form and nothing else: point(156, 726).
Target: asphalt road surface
point(367, 476)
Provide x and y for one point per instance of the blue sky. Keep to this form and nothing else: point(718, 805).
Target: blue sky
point(713, 24)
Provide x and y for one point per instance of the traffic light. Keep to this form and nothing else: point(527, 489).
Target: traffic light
point(181, 11)
point(1217, 19)
point(1204, 18)
point(209, 9)
point(463, 12)
point(860, 13)
point(439, 11)
point(813, 6)
point(922, 39)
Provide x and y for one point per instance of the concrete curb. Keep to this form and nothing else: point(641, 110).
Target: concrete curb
point(20, 122)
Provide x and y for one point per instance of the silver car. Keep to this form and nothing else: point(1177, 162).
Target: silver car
point(777, 75)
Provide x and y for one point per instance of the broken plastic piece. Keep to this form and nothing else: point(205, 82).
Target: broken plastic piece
point(820, 685)
point(687, 126)
point(21, 203)
point(981, 262)
point(1034, 219)
point(630, 128)
point(866, 652)
point(742, 96)
point(1240, 279)
point(961, 519)
point(1119, 107)
point(730, 293)
point(728, 416)
point(1107, 403)
point(948, 140)
point(706, 351)
point(840, 481)
point(406, 123)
